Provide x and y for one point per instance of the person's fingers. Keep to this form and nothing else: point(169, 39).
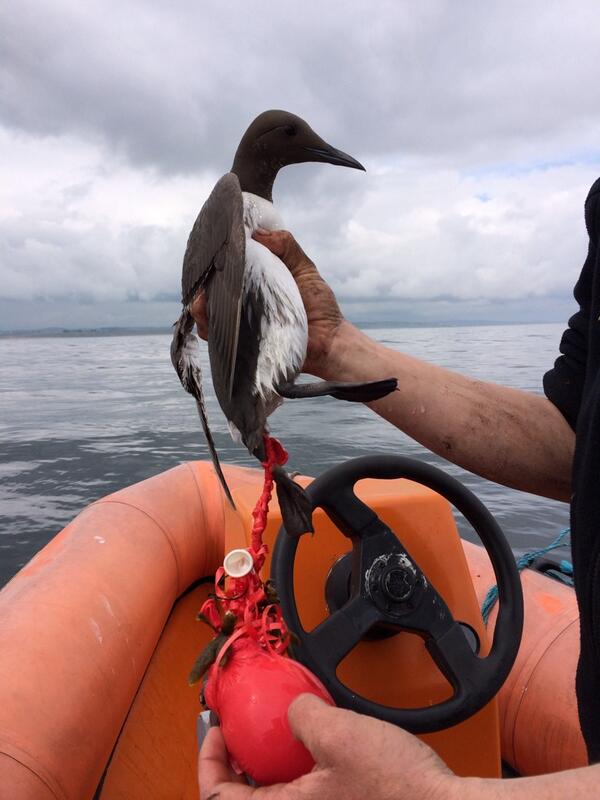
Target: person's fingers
point(199, 312)
point(218, 781)
point(214, 768)
point(283, 245)
point(273, 243)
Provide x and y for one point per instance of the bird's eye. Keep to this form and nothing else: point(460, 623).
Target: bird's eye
point(291, 130)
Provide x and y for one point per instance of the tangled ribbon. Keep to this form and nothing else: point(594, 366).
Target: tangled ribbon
point(256, 615)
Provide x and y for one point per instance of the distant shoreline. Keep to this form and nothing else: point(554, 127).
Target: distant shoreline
point(82, 332)
point(367, 325)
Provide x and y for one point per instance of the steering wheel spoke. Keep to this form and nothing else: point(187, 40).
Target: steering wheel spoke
point(456, 660)
point(341, 631)
point(353, 517)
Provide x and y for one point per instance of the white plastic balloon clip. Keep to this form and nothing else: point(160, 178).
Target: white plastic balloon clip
point(238, 563)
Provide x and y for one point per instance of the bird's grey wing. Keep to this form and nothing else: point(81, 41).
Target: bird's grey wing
point(218, 217)
point(215, 260)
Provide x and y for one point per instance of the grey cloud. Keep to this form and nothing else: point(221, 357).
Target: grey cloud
point(173, 86)
point(132, 110)
point(50, 261)
point(417, 235)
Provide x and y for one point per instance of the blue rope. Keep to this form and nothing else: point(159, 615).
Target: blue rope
point(566, 567)
point(525, 561)
point(560, 576)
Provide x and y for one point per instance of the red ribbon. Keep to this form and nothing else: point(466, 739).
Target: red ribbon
point(243, 596)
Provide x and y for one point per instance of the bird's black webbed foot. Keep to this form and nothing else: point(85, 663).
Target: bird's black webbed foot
point(365, 392)
point(296, 508)
point(352, 392)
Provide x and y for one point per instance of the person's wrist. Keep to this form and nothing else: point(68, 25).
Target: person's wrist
point(452, 787)
point(351, 355)
point(457, 788)
point(333, 363)
point(443, 786)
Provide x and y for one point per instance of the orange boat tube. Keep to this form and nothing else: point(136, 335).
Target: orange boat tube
point(97, 633)
point(79, 624)
point(538, 708)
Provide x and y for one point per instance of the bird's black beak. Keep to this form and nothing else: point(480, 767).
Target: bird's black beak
point(330, 155)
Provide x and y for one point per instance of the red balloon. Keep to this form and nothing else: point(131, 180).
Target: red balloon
point(251, 695)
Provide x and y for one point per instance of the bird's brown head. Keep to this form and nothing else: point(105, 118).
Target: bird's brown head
point(276, 139)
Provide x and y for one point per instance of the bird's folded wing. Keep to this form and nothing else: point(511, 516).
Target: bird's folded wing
point(215, 260)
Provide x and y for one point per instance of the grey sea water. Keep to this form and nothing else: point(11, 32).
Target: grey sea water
point(84, 416)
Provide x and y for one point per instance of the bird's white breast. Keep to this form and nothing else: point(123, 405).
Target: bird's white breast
point(284, 333)
point(260, 213)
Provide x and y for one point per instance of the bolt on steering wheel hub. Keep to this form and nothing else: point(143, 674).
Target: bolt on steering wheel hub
point(393, 582)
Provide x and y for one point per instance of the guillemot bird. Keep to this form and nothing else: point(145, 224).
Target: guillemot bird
point(257, 325)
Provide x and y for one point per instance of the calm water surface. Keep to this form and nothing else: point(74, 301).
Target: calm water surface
point(84, 416)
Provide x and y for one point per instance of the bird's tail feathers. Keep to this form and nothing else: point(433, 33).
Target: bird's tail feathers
point(185, 357)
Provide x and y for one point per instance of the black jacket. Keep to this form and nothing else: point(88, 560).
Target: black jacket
point(574, 387)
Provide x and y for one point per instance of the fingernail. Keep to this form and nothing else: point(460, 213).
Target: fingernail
point(262, 232)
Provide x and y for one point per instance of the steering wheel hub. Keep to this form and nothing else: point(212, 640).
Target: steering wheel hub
point(393, 580)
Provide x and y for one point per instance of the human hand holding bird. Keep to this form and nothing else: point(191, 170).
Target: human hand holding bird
point(322, 310)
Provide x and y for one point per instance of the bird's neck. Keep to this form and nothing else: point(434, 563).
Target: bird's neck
point(255, 171)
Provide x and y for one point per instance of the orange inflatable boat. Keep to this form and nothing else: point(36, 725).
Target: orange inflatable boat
point(98, 633)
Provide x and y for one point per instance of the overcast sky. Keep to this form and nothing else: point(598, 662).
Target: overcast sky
point(478, 124)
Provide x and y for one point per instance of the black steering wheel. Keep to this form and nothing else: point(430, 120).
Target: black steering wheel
point(388, 590)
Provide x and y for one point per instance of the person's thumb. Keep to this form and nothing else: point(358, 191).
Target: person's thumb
point(317, 725)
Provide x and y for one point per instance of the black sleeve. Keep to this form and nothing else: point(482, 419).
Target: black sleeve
point(563, 385)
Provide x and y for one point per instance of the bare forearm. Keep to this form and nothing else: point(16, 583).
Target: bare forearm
point(509, 436)
point(582, 784)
